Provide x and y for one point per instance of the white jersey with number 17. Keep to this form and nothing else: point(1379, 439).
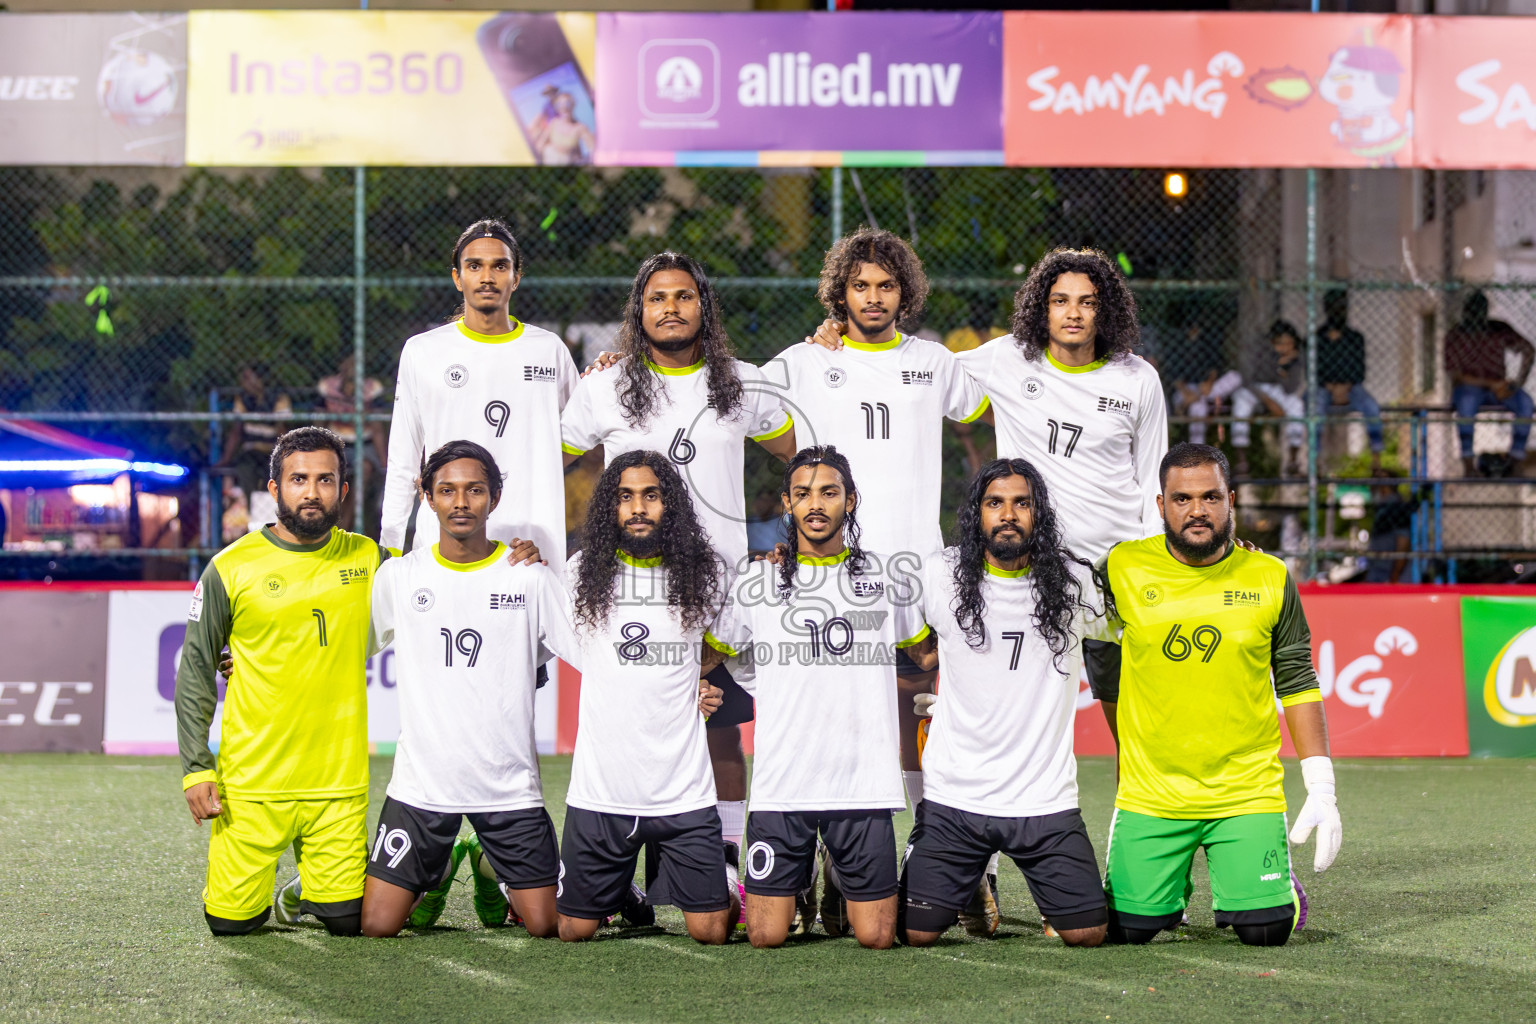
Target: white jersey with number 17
point(1097, 433)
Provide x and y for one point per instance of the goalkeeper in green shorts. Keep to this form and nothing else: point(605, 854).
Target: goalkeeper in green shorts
point(1213, 634)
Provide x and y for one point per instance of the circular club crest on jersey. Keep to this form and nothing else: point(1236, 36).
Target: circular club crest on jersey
point(1033, 387)
point(1151, 594)
point(273, 585)
point(423, 600)
point(456, 376)
point(835, 377)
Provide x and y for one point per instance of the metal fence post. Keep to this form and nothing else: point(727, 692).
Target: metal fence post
point(359, 333)
point(1313, 419)
point(837, 203)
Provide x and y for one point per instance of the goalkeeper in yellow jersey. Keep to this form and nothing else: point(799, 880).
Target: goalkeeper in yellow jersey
point(1213, 634)
point(292, 603)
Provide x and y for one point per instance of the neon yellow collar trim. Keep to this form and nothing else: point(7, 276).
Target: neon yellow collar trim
point(879, 346)
point(639, 563)
point(1008, 574)
point(1075, 369)
point(493, 339)
point(837, 559)
point(490, 559)
point(675, 371)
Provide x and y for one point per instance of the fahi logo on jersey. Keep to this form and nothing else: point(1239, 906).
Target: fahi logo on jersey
point(1108, 404)
point(352, 575)
point(835, 376)
point(1240, 598)
point(502, 602)
point(423, 600)
point(1033, 388)
point(924, 377)
point(539, 373)
point(456, 376)
point(866, 588)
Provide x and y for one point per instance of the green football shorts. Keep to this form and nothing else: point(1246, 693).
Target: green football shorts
point(1150, 861)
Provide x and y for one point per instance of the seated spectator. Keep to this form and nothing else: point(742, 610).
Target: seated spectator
point(1474, 358)
point(1341, 370)
point(1202, 383)
point(248, 443)
point(336, 397)
point(1280, 384)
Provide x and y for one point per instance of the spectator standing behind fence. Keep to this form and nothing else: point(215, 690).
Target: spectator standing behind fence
point(248, 443)
point(1280, 385)
point(1474, 358)
point(1341, 370)
point(1202, 384)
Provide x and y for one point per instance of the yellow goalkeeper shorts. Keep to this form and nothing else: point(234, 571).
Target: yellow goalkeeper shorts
point(250, 836)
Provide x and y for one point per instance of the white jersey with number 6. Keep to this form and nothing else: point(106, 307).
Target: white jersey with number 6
point(502, 391)
point(1096, 433)
point(825, 681)
point(466, 640)
point(1001, 738)
point(706, 448)
point(883, 406)
point(640, 746)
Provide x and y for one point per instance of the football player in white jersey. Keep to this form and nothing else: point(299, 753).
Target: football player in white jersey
point(881, 396)
point(646, 588)
point(489, 378)
point(823, 626)
point(467, 626)
point(679, 389)
point(1011, 608)
point(1069, 397)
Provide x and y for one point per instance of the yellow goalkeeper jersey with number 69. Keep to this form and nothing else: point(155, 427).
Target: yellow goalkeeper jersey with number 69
point(1199, 734)
point(296, 620)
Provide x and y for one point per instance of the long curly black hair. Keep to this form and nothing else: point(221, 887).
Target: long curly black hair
point(694, 589)
point(637, 391)
point(1117, 331)
point(889, 253)
point(1058, 592)
point(822, 455)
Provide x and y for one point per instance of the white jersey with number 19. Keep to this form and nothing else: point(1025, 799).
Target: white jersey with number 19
point(1097, 433)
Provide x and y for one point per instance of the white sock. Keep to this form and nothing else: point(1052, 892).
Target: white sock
point(914, 783)
point(733, 820)
point(992, 864)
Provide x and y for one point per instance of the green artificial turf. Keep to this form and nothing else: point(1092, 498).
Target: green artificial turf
point(1429, 914)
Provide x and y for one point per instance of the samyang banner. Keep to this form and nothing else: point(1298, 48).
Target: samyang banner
point(1473, 86)
point(1199, 90)
point(414, 88)
point(93, 88)
point(799, 89)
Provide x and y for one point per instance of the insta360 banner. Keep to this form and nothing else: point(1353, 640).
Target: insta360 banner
point(390, 87)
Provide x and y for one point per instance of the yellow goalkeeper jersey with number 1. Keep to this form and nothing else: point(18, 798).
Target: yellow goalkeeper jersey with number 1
point(296, 620)
point(1199, 733)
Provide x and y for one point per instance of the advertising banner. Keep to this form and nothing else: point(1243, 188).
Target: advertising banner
point(1499, 644)
point(416, 88)
point(1389, 667)
point(1229, 90)
point(1473, 86)
point(52, 685)
point(92, 88)
point(799, 89)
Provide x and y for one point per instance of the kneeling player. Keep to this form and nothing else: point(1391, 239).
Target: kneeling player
point(827, 742)
point(467, 627)
point(647, 586)
point(1213, 635)
point(1010, 606)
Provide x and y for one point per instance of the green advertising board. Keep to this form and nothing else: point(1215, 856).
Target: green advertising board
point(1498, 638)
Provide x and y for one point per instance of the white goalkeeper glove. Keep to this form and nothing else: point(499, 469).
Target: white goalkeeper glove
point(922, 704)
point(1321, 811)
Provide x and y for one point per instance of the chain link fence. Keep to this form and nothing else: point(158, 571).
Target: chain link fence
point(187, 314)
